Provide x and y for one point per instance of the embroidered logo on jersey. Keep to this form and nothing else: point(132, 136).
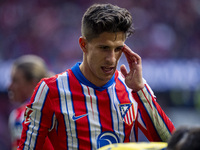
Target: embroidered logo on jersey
point(127, 113)
point(106, 138)
point(78, 117)
point(27, 115)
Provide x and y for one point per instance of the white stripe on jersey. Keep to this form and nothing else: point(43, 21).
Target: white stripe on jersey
point(93, 114)
point(67, 110)
point(126, 119)
point(132, 115)
point(135, 104)
point(37, 105)
point(116, 116)
point(53, 122)
point(129, 119)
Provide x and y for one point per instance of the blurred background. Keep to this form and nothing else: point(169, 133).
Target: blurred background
point(167, 37)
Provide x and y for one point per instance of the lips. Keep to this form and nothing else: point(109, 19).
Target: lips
point(108, 70)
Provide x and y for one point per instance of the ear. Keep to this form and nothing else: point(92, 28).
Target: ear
point(83, 43)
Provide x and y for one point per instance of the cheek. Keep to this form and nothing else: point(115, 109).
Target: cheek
point(20, 90)
point(94, 57)
point(118, 56)
point(15, 87)
point(21, 87)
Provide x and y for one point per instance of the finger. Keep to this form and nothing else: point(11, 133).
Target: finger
point(128, 54)
point(127, 50)
point(131, 56)
point(123, 70)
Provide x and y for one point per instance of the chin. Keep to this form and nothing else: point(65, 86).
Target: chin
point(108, 77)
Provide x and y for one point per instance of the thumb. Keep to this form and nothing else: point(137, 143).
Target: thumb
point(123, 70)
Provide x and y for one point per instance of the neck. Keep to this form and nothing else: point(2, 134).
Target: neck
point(88, 76)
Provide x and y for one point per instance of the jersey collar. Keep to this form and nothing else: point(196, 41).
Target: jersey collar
point(77, 72)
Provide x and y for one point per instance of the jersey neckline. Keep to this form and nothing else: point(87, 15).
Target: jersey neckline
point(78, 74)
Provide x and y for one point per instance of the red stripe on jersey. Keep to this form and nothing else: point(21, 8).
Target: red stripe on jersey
point(104, 108)
point(123, 99)
point(58, 135)
point(167, 121)
point(152, 96)
point(45, 122)
point(136, 129)
point(149, 102)
point(147, 121)
point(147, 99)
point(79, 104)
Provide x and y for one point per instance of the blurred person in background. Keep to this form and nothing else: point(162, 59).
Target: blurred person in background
point(185, 138)
point(93, 104)
point(27, 71)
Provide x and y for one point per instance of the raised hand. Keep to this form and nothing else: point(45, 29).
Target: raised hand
point(133, 78)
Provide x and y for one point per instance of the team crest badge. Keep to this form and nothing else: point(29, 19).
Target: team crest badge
point(127, 113)
point(28, 114)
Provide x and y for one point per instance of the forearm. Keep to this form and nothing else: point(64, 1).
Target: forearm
point(158, 125)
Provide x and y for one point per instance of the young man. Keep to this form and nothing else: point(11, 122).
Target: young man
point(92, 104)
point(27, 71)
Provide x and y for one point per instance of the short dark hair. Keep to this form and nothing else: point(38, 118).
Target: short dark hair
point(185, 138)
point(101, 18)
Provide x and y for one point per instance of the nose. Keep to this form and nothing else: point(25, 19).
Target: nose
point(111, 56)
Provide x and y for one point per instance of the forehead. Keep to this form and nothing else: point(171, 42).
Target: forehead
point(107, 37)
point(17, 73)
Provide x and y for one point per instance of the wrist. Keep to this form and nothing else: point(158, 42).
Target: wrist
point(138, 88)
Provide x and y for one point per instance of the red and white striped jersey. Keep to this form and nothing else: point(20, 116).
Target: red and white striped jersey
point(15, 125)
point(76, 114)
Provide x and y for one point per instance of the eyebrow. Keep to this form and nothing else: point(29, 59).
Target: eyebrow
point(120, 46)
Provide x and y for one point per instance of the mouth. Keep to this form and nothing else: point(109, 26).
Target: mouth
point(108, 70)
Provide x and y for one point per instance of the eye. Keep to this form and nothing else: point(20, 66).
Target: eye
point(104, 47)
point(119, 48)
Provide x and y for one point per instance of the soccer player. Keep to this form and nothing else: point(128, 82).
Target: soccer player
point(93, 104)
point(27, 71)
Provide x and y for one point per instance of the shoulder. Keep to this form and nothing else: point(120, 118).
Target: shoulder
point(19, 110)
point(51, 84)
point(17, 114)
point(52, 81)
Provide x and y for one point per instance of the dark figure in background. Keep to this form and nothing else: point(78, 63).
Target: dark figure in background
point(27, 71)
point(185, 138)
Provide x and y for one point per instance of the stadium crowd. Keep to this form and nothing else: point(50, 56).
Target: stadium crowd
point(50, 28)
